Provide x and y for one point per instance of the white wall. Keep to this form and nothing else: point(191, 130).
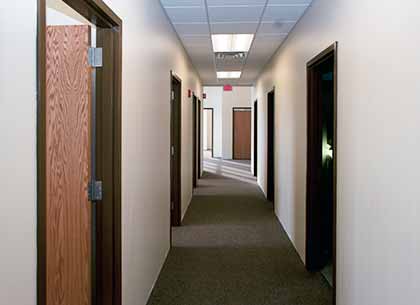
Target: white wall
point(223, 103)
point(238, 97)
point(150, 50)
point(378, 153)
point(214, 100)
point(18, 152)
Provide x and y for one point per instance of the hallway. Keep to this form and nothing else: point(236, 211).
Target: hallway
point(231, 250)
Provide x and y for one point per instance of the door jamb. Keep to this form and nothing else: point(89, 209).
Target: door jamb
point(332, 49)
point(212, 129)
point(255, 119)
point(233, 126)
point(97, 12)
point(178, 79)
point(273, 91)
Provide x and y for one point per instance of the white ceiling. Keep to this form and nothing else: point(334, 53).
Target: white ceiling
point(269, 20)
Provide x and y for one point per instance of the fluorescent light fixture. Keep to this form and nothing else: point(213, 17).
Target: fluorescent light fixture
point(232, 42)
point(229, 74)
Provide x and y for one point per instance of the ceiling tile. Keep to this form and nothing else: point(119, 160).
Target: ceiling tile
point(235, 13)
point(182, 3)
point(192, 29)
point(187, 15)
point(276, 27)
point(274, 2)
point(279, 13)
point(234, 28)
point(235, 2)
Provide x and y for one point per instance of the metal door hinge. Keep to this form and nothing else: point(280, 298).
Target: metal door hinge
point(95, 191)
point(173, 95)
point(172, 150)
point(172, 205)
point(95, 57)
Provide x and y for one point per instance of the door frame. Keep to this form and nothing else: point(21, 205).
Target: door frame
point(271, 195)
point(319, 59)
point(109, 29)
point(212, 129)
point(175, 211)
point(200, 146)
point(194, 144)
point(248, 109)
point(256, 138)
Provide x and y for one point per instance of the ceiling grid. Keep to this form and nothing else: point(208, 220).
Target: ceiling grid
point(195, 21)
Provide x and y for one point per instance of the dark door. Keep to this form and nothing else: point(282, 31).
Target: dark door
point(176, 152)
point(255, 138)
point(194, 135)
point(270, 146)
point(321, 162)
point(241, 133)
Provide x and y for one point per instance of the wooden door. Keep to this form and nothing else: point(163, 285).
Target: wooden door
point(68, 211)
point(241, 134)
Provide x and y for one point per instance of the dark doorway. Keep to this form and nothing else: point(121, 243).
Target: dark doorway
point(241, 133)
point(200, 146)
point(194, 135)
point(208, 130)
point(255, 138)
point(270, 145)
point(321, 164)
point(175, 150)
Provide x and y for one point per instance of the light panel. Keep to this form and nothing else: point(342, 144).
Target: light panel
point(229, 74)
point(232, 42)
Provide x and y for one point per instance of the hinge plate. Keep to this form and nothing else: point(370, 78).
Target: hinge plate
point(172, 150)
point(95, 57)
point(95, 191)
point(173, 95)
point(172, 205)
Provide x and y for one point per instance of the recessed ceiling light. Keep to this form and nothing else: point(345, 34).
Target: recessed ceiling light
point(229, 74)
point(232, 42)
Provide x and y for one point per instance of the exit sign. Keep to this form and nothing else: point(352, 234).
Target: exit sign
point(227, 88)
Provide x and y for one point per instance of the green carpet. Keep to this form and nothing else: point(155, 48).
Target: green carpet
point(231, 250)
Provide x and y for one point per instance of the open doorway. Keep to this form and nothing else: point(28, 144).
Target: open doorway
point(79, 153)
point(208, 133)
point(176, 92)
point(321, 164)
point(270, 145)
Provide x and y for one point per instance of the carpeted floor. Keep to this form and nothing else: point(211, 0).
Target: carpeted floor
point(231, 250)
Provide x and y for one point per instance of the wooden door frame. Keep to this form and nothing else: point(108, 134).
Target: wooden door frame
point(109, 28)
point(194, 144)
point(256, 138)
point(273, 92)
point(177, 205)
point(212, 128)
point(233, 127)
point(200, 146)
point(319, 59)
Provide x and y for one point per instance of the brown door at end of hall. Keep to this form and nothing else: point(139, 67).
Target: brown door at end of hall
point(242, 134)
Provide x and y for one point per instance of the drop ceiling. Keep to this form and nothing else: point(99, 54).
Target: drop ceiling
point(269, 20)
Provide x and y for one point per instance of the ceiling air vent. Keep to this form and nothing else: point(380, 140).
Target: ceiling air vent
point(230, 60)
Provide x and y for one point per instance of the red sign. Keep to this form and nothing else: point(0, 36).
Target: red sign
point(204, 96)
point(227, 88)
